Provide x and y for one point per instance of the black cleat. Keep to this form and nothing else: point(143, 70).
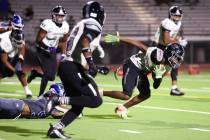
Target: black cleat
point(176, 92)
point(28, 96)
point(56, 133)
point(33, 75)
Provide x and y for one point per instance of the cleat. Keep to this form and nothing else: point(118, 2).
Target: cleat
point(121, 111)
point(56, 133)
point(28, 96)
point(33, 75)
point(176, 92)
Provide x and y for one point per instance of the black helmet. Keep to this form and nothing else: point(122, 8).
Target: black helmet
point(58, 14)
point(174, 55)
point(93, 9)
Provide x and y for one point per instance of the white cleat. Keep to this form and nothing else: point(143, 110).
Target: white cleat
point(121, 111)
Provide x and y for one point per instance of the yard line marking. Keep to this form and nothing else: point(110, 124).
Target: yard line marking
point(161, 88)
point(168, 109)
point(200, 129)
point(130, 131)
point(10, 94)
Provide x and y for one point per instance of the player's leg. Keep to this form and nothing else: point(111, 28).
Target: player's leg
point(144, 93)
point(174, 89)
point(55, 131)
point(10, 108)
point(49, 67)
point(77, 83)
point(129, 80)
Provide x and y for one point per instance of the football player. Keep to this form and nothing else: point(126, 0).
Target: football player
point(15, 108)
point(12, 52)
point(137, 67)
point(81, 90)
point(51, 39)
point(171, 31)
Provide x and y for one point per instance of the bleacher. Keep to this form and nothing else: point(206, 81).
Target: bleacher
point(137, 18)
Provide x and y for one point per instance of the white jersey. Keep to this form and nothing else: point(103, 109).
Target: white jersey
point(7, 46)
point(144, 62)
point(86, 27)
point(54, 33)
point(170, 26)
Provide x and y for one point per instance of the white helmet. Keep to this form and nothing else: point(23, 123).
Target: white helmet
point(175, 13)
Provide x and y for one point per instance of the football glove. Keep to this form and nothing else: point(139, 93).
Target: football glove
point(183, 42)
point(103, 70)
point(159, 70)
point(112, 38)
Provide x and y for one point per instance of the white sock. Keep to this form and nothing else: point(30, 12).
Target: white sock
point(59, 125)
point(27, 90)
point(174, 87)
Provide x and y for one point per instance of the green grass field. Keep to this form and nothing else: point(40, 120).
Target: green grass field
point(162, 117)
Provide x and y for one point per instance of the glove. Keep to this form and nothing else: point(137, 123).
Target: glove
point(112, 38)
point(183, 42)
point(159, 70)
point(103, 70)
point(157, 83)
point(92, 67)
point(62, 57)
point(52, 49)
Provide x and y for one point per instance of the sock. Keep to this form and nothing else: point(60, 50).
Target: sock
point(27, 90)
point(43, 85)
point(64, 100)
point(68, 118)
point(59, 125)
point(174, 87)
point(101, 92)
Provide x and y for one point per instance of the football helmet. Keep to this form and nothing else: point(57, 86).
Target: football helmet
point(57, 89)
point(174, 55)
point(58, 14)
point(17, 22)
point(175, 13)
point(93, 9)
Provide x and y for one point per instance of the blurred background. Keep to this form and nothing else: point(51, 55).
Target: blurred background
point(138, 19)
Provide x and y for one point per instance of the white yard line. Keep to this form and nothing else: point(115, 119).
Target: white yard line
point(130, 131)
point(168, 109)
point(10, 94)
point(200, 129)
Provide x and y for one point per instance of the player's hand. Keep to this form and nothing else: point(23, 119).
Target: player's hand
point(112, 38)
point(92, 70)
point(159, 70)
point(103, 70)
point(183, 42)
point(52, 49)
point(62, 57)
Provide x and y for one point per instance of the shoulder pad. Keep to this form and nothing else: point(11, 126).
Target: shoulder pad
point(92, 24)
point(46, 24)
point(168, 24)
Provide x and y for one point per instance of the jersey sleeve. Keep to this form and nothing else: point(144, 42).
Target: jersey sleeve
point(45, 25)
point(91, 32)
point(66, 28)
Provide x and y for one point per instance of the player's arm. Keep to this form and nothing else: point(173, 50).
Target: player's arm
point(167, 39)
point(40, 36)
point(4, 59)
point(5, 29)
point(63, 43)
point(85, 40)
point(115, 39)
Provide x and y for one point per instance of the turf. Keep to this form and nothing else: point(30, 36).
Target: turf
point(162, 117)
